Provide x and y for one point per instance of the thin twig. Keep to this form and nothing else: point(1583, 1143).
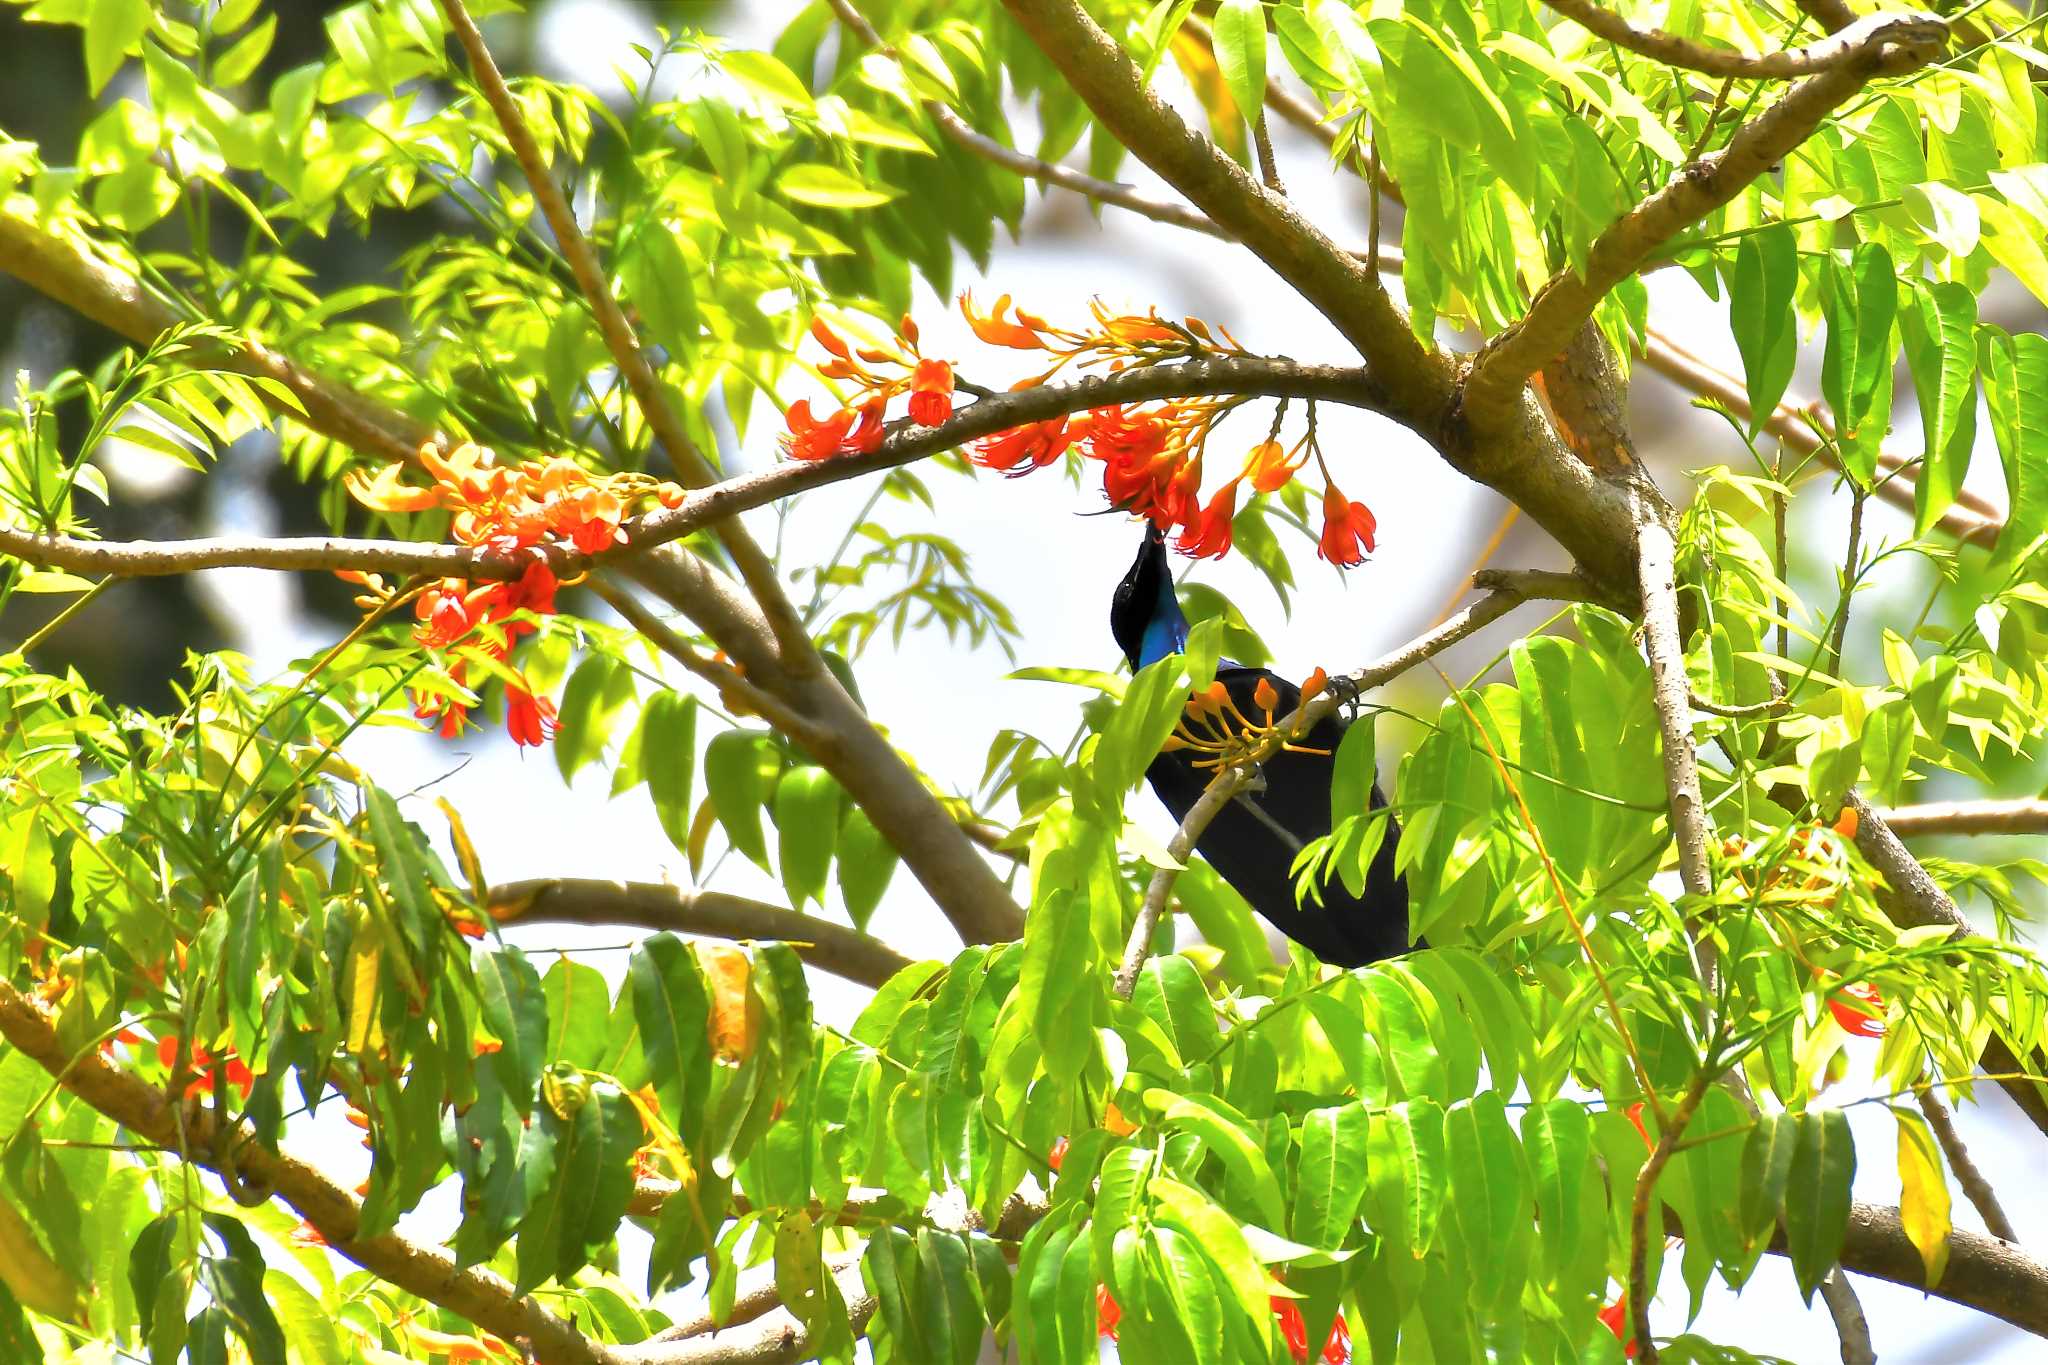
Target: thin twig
point(1717, 708)
point(1852, 1329)
point(1851, 569)
point(1975, 1187)
point(1269, 165)
point(1639, 1291)
point(754, 566)
point(1506, 591)
point(1672, 50)
point(2025, 816)
point(1655, 550)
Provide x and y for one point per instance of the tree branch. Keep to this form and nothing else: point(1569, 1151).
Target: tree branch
point(836, 948)
point(1851, 1327)
point(1672, 50)
point(430, 1272)
point(64, 270)
point(1968, 817)
point(619, 339)
point(1975, 1187)
point(1887, 45)
point(1506, 590)
point(1909, 897)
point(1972, 519)
point(775, 1336)
point(1329, 278)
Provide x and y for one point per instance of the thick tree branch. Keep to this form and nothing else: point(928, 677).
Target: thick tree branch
point(428, 1271)
point(1888, 45)
point(1968, 817)
point(1505, 591)
point(835, 948)
point(1329, 278)
point(66, 272)
point(906, 442)
point(1975, 1187)
point(1910, 897)
point(619, 339)
point(1832, 15)
point(1672, 50)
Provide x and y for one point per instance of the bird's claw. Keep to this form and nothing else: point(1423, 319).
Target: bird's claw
point(1347, 694)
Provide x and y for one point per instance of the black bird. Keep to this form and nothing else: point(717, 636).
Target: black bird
point(1252, 842)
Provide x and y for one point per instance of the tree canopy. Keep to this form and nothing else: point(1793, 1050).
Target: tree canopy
point(546, 366)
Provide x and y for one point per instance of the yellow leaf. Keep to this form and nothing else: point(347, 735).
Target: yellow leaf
point(365, 957)
point(1923, 1194)
point(726, 970)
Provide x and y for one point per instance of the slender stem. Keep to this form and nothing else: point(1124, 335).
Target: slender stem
point(1851, 1327)
point(2024, 816)
point(1639, 1290)
point(1975, 1187)
point(1269, 165)
point(1851, 571)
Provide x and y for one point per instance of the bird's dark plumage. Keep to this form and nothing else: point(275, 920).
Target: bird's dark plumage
point(1251, 849)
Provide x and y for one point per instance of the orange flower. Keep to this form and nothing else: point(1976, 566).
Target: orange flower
point(231, 1070)
point(867, 437)
point(931, 393)
point(1269, 467)
point(1058, 1154)
point(1859, 1008)
point(1207, 535)
point(1022, 449)
point(1635, 1116)
point(1347, 529)
point(530, 719)
point(996, 330)
point(306, 1235)
point(1615, 1318)
point(810, 439)
point(1294, 1331)
point(1107, 1313)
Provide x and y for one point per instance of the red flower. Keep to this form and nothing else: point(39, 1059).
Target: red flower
point(810, 439)
point(1208, 533)
point(1058, 1154)
point(1023, 449)
point(1107, 1314)
point(931, 393)
point(1347, 529)
point(1635, 1116)
point(530, 719)
point(1269, 467)
point(443, 614)
point(1615, 1317)
point(1859, 1008)
point(867, 437)
point(1294, 1331)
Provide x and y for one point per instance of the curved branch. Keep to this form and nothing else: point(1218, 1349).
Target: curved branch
point(835, 948)
point(1968, 1174)
point(1672, 50)
point(1889, 44)
point(430, 1272)
point(64, 271)
point(1506, 591)
point(155, 558)
point(1910, 897)
point(1969, 817)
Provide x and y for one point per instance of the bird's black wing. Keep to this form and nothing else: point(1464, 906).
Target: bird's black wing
point(1253, 850)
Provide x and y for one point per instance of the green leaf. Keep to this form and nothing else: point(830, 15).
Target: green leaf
point(515, 1012)
point(828, 187)
point(112, 27)
point(1228, 1136)
point(1938, 323)
point(1488, 1195)
point(1760, 313)
point(236, 1284)
point(1406, 1174)
point(1817, 1195)
point(1330, 1175)
point(579, 1015)
point(591, 701)
point(866, 863)
point(668, 756)
point(239, 62)
point(733, 763)
point(658, 279)
point(672, 1007)
point(807, 803)
point(1239, 30)
point(2015, 377)
point(1354, 771)
point(1557, 1140)
point(1860, 302)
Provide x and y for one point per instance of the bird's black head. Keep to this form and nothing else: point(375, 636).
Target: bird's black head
point(1144, 615)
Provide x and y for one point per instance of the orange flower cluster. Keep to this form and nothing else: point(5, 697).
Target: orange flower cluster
point(1152, 454)
point(510, 511)
point(1859, 1008)
point(231, 1070)
point(857, 427)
